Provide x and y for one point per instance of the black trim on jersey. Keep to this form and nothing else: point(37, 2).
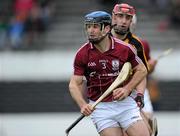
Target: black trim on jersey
point(139, 47)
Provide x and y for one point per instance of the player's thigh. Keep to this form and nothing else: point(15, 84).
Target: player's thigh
point(138, 129)
point(115, 131)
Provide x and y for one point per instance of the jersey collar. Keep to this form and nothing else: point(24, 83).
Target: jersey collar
point(111, 47)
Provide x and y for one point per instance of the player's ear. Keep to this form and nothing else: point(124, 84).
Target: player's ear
point(107, 28)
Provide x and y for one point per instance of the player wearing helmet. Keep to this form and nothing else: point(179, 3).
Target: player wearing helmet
point(123, 17)
point(148, 108)
point(96, 21)
point(99, 61)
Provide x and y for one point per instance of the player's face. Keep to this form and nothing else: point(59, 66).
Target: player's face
point(96, 32)
point(122, 22)
point(93, 31)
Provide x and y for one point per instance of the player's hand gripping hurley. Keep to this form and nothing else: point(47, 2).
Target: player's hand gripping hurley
point(123, 76)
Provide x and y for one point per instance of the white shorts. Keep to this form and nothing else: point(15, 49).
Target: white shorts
point(115, 114)
point(147, 101)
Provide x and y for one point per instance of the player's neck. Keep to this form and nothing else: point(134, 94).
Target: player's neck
point(104, 45)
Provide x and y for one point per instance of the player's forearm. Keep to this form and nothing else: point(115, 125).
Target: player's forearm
point(140, 88)
point(152, 63)
point(140, 73)
point(77, 94)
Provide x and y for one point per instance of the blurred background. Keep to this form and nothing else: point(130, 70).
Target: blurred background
point(38, 41)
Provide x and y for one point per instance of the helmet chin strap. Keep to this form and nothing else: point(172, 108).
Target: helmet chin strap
point(97, 40)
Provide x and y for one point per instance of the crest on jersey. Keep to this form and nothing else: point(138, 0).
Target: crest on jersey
point(115, 65)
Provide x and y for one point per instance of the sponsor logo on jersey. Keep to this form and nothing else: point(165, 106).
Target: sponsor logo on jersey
point(91, 64)
point(115, 65)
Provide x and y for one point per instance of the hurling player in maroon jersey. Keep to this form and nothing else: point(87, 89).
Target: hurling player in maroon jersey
point(123, 17)
point(100, 60)
point(148, 94)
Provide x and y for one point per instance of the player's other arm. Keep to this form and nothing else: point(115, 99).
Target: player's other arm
point(140, 73)
point(152, 63)
point(140, 88)
point(76, 88)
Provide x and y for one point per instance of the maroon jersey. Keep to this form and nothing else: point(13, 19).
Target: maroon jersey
point(138, 45)
point(146, 49)
point(101, 69)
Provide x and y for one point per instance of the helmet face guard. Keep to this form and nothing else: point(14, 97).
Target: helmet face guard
point(87, 24)
point(123, 9)
point(100, 18)
point(96, 40)
point(133, 24)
